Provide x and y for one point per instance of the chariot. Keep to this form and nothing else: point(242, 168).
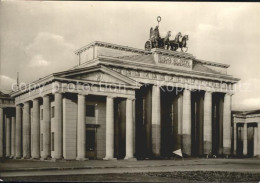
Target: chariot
point(155, 40)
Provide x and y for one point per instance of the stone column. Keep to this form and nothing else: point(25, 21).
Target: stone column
point(207, 130)
point(18, 132)
point(36, 129)
point(109, 128)
point(129, 130)
point(26, 130)
point(255, 141)
point(245, 140)
point(156, 121)
point(13, 137)
point(46, 128)
point(258, 139)
point(235, 138)
point(1, 132)
point(58, 126)
point(81, 128)
point(186, 125)
point(8, 137)
point(227, 125)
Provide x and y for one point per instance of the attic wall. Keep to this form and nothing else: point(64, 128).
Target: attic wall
point(87, 55)
point(103, 51)
point(221, 70)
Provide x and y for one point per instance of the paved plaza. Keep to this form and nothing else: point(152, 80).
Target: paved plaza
point(12, 168)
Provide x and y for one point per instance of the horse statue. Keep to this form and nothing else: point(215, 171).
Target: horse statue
point(174, 44)
point(166, 40)
point(155, 41)
point(183, 43)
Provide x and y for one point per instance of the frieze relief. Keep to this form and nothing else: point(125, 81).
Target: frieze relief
point(173, 78)
point(175, 61)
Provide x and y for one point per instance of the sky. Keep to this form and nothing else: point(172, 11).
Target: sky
point(39, 38)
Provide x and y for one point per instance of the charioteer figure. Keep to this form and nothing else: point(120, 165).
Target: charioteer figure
point(155, 40)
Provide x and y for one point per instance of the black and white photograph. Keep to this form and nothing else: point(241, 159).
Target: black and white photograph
point(113, 91)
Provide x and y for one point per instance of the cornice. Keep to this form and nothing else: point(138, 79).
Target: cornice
point(211, 63)
point(155, 50)
point(91, 82)
point(36, 84)
point(110, 45)
point(244, 116)
point(156, 68)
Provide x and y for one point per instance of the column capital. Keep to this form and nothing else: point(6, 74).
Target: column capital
point(155, 84)
point(27, 103)
point(57, 91)
point(187, 89)
point(131, 98)
point(82, 94)
point(18, 105)
point(46, 95)
point(111, 96)
point(36, 98)
point(230, 94)
point(208, 91)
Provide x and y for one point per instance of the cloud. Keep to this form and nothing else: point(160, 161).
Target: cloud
point(38, 61)
point(251, 103)
point(247, 95)
point(50, 52)
point(45, 38)
point(6, 83)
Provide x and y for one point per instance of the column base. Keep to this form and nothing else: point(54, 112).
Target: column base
point(130, 159)
point(109, 159)
point(207, 147)
point(45, 158)
point(156, 139)
point(186, 147)
point(17, 157)
point(57, 158)
point(33, 158)
point(82, 159)
point(25, 157)
point(226, 150)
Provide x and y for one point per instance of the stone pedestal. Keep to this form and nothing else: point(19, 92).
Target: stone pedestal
point(36, 129)
point(156, 121)
point(207, 130)
point(26, 130)
point(109, 129)
point(186, 127)
point(18, 132)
